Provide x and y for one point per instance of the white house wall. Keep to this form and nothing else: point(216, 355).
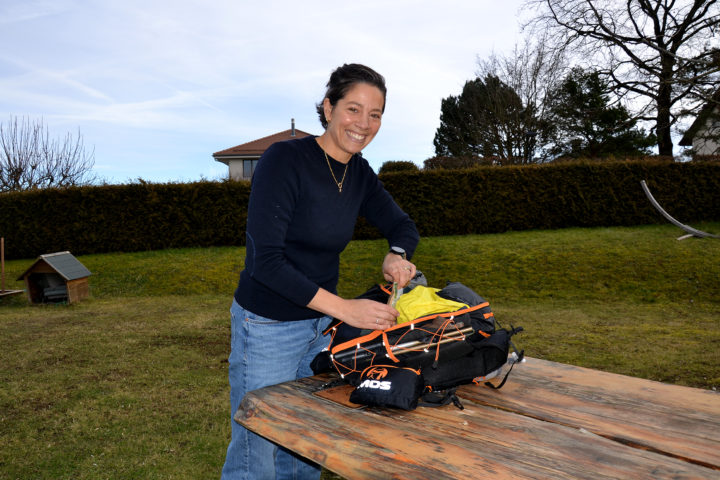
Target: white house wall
point(707, 139)
point(236, 169)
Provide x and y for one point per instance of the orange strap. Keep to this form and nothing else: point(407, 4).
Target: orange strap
point(376, 333)
point(388, 348)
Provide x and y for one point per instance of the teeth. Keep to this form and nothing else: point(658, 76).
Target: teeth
point(357, 137)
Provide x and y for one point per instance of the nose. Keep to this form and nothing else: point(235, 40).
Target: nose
point(363, 121)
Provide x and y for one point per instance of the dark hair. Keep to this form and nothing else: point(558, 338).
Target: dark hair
point(343, 79)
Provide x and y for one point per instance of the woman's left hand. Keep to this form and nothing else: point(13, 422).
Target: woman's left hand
point(397, 269)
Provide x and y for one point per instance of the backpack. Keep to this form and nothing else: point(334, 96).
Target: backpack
point(421, 361)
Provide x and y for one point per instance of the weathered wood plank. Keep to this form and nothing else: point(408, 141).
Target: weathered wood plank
point(436, 443)
point(678, 421)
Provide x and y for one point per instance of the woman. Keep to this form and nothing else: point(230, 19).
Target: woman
point(306, 196)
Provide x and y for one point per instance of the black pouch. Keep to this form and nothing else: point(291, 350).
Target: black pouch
point(389, 386)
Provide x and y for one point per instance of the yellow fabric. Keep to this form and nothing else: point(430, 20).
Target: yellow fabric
point(422, 301)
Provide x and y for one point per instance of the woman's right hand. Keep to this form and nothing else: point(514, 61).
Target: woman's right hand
point(359, 312)
point(369, 314)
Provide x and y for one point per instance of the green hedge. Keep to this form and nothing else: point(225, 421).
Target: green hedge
point(133, 217)
point(498, 199)
point(148, 216)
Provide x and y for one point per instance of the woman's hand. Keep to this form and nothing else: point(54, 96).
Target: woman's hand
point(361, 313)
point(397, 269)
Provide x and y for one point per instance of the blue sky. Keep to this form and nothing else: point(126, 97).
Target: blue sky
point(155, 87)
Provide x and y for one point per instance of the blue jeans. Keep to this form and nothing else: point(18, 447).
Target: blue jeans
point(267, 352)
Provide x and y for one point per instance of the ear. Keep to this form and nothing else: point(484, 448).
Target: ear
point(327, 109)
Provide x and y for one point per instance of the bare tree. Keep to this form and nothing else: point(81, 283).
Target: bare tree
point(30, 159)
point(533, 71)
point(661, 55)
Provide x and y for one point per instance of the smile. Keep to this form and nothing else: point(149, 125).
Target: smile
point(357, 137)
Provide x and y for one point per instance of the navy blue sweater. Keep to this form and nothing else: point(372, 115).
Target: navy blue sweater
point(298, 224)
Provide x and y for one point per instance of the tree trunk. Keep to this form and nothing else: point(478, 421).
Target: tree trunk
point(664, 140)
point(664, 104)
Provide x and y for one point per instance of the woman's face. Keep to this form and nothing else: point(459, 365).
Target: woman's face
point(354, 120)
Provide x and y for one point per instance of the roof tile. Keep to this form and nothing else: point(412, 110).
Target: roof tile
point(257, 147)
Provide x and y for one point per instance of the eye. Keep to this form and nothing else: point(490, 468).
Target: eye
point(376, 116)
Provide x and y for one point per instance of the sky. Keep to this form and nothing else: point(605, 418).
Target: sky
point(155, 87)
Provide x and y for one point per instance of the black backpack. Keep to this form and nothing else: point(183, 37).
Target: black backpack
point(423, 361)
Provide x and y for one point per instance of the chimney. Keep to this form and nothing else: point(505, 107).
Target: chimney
point(292, 127)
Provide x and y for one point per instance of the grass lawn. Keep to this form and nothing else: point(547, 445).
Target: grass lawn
point(132, 383)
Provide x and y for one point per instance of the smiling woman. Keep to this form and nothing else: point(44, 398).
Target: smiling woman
point(351, 111)
point(306, 196)
point(353, 122)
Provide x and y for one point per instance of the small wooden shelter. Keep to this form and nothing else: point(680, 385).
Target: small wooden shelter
point(56, 277)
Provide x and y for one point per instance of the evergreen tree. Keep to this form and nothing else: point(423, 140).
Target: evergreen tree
point(486, 120)
point(587, 124)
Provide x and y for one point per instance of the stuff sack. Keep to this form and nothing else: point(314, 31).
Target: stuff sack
point(389, 386)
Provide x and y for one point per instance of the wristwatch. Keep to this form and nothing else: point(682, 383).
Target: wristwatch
point(398, 251)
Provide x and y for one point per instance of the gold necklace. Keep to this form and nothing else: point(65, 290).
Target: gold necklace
point(340, 183)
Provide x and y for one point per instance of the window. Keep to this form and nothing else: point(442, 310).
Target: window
point(249, 168)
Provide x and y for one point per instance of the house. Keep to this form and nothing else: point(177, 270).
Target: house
point(56, 277)
point(704, 134)
point(241, 160)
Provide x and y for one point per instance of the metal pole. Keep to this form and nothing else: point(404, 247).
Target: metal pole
point(2, 262)
point(445, 339)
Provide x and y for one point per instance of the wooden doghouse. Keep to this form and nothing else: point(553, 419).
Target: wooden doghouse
point(56, 277)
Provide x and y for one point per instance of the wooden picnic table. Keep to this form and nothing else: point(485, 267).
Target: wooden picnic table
point(549, 421)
